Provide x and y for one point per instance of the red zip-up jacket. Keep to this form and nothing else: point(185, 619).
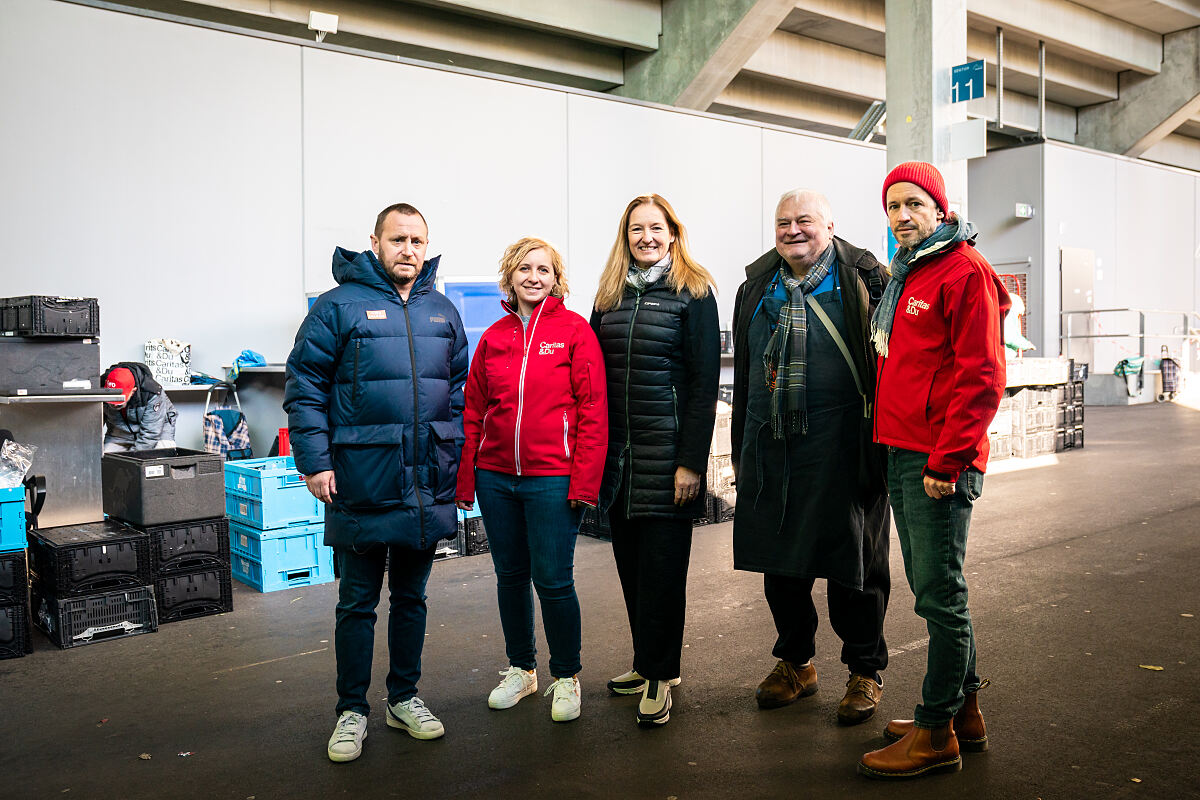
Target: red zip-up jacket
point(941, 382)
point(536, 402)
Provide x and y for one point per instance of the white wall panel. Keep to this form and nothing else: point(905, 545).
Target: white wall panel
point(708, 170)
point(154, 166)
point(485, 161)
point(850, 175)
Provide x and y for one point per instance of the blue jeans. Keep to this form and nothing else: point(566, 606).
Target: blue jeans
point(354, 631)
point(933, 539)
point(531, 531)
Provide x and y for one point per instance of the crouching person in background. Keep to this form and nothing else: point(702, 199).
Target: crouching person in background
point(144, 417)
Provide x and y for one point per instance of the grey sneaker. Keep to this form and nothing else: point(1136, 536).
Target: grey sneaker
point(633, 683)
point(412, 716)
point(347, 739)
point(565, 706)
point(515, 684)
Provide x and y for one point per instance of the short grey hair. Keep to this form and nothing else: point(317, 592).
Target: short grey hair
point(811, 195)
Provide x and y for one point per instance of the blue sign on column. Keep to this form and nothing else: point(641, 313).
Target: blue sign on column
point(966, 82)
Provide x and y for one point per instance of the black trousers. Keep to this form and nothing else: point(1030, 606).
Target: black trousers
point(652, 555)
point(856, 617)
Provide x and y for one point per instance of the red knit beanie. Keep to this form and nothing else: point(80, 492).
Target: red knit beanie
point(922, 174)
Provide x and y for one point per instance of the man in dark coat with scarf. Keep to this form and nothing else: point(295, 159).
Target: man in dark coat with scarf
point(375, 400)
point(811, 497)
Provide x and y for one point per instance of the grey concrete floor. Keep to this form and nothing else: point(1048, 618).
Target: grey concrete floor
point(1079, 574)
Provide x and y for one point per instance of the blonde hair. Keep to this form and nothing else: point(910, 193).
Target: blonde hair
point(517, 252)
point(685, 272)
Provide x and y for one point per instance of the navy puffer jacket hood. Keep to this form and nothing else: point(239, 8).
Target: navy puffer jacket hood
point(375, 393)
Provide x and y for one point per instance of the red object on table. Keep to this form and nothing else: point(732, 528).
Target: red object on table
point(285, 446)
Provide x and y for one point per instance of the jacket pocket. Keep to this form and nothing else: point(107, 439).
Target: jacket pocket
point(445, 449)
point(566, 436)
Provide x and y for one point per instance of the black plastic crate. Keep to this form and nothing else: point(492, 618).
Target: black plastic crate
point(476, 536)
point(595, 524)
point(188, 546)
point(14, 578)
point(14, 631)
point(719, 509)
point(194, 594)
point(148, 488)
point(1077, 437)
point(38, 365)
point(44, 315)
point(76, 621)
point(452, 548)
point(1062, 440)
point(93, 557)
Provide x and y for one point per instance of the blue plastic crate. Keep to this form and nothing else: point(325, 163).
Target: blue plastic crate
point(267, 493)
point(281, 558)
point(12, 519)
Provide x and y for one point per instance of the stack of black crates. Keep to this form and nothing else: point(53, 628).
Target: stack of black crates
point(174, 499)
point(90, 582)
point(1068, 416)
point(48, 345)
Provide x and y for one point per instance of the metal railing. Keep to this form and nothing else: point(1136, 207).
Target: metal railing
point(1186, 331)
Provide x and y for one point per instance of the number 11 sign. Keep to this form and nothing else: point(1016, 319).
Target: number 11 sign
point(966, 82)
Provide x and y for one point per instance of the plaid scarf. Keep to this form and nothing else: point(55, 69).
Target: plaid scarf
point(642, 278)
point(946, 236)
point(786, 356)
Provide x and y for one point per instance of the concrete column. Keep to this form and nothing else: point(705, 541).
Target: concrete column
point(704, 44)
point(925, 38)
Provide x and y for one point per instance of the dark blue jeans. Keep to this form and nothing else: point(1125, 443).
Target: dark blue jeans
point(531, 530)
point(933, 539)
point(354, 632)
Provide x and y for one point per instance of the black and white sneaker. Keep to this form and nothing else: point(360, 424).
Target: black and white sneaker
point(633, 683)
point(655, 708)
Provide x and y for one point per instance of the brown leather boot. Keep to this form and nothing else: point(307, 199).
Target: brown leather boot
point(969, 726)
point(920, 752)
point(862, 696)
point(787, 683)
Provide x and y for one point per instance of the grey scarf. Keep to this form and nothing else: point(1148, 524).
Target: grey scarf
point(642, 278)
point(946, 236)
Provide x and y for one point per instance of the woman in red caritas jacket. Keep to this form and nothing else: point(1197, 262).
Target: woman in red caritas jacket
point(536, 425)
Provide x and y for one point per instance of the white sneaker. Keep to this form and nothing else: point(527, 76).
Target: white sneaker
point(412, 716)
point(565, 706)
point(516, 683)
point(633, 683)
point(347, 739)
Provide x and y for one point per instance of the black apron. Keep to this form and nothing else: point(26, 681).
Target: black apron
point(799, 508)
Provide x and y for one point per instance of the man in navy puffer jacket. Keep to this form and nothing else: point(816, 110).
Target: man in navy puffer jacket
point(374, 400)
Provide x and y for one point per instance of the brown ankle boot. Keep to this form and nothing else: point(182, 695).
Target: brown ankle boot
point(921, 751)
point(969, 726)
point(787, 683)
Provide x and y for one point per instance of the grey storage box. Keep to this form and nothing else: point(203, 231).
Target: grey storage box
point(39, 366)
point(160, 487)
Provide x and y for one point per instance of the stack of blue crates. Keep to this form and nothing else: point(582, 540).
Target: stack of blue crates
point(276, 526)
point(14, 571)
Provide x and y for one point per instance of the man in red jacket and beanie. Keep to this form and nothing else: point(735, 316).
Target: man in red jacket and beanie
point(938, 332)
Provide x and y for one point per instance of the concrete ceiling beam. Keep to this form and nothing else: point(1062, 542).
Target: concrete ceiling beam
point(749, 97)
point(621, 23)
point(1160, 16)
point(426, 34)
point(1090, 36)
point(1149, 107)
point(808, 62)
